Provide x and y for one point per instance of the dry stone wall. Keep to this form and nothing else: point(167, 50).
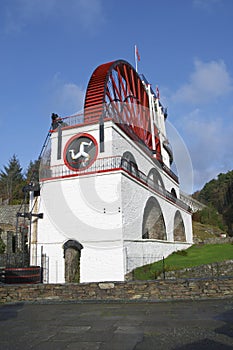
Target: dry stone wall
point(218, 269)
point(146, 291)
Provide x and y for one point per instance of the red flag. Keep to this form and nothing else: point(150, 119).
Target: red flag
point(137, 54)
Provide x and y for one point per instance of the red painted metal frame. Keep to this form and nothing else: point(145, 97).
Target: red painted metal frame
point(116, 91)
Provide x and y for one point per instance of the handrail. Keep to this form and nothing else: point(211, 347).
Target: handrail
point(78, 119)
point(107, 164)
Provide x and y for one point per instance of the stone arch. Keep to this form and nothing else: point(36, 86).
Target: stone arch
point(179, 229)
point(154, 178)
point(72, 255)
point(153, 226)
point(129, 163)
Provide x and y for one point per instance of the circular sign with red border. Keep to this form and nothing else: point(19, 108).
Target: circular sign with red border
point(80, 152)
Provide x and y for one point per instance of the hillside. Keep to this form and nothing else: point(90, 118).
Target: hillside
point(195, 256)
point(217, 194)
point(203, 232)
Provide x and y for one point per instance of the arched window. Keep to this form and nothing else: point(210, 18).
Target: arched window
point(153, 226)
point(173, 192)
point(179, 229)
point(128, 162)
point(154, 179)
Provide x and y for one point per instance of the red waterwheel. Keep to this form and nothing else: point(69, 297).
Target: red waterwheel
point(116, 91)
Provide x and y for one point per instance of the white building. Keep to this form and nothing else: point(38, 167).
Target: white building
point(109, 199)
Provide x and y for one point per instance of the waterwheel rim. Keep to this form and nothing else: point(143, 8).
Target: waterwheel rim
point(116, 91)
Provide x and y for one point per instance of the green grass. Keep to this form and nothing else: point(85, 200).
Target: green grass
point(194, 256)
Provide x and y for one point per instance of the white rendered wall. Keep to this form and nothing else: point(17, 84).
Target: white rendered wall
point(115, 144)
point(101, 262)
point(86, 209)
point(140, 251)
point(133, 207)
point(69, 132)
point(143, 252)
point(122, 143)
point(104, 213)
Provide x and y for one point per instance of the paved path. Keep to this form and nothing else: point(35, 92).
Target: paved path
point(184, 325)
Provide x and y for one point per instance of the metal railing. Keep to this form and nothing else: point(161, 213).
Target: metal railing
point(73, 120)
point(111, 164)
point(61, 170)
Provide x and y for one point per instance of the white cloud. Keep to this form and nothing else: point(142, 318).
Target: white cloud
point(23, 12)
point(208, 81)
point(204, 112)
point(182, 164)
point(89, 14)
point(71, 96)
point(206, 5)
point(210, 144)
point(66, 98)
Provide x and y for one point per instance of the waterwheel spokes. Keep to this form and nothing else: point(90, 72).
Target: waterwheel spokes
point(116, 91)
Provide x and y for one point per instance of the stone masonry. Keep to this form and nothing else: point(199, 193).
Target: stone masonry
point(151, 291)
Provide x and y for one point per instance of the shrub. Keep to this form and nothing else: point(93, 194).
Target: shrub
point(181, 252)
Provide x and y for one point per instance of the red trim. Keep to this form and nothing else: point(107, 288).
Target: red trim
point(71, 140)
point(23, 276)
point(77, 175)
point(124, 171)
point(22, 268)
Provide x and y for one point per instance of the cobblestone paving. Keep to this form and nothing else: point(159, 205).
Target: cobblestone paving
point(183, 325)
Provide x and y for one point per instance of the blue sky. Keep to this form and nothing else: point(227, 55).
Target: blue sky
point(49, 49)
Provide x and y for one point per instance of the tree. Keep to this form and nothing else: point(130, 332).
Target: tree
point(32, 174)
point(218, 193)
point(12, 181)
point(209, 215)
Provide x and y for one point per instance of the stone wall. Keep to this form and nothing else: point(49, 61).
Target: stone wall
point(8, 218)
point(218, 269)
point(8, 215)
point(146, 291)
point(218, 240)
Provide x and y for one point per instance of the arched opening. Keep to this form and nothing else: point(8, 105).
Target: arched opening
point(72, 254)
point(173, 192)
point(153, 226)
point(179, 229)
point(154, 179)
point(128, 163)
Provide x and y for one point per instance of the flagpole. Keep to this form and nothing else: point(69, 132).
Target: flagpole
point(135, 57)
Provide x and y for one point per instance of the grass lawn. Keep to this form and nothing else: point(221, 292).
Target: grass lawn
point(194, 256)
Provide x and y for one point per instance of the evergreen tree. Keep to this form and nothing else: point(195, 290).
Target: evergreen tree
point(32, 174)
point(12, 182)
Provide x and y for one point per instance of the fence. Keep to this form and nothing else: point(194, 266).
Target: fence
point(44, 268)
point(112, 163)
point(166, 272)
